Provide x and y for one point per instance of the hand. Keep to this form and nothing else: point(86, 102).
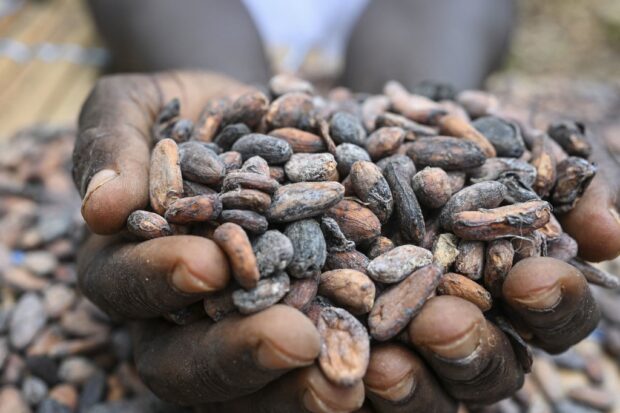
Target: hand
point(265, 362)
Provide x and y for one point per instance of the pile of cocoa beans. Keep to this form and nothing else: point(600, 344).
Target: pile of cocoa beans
point(358, 208)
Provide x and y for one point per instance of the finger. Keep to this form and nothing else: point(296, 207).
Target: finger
point(398, 381)
point(304, 390)
point(552, 300)
point(151, 278)
point(471, 357)
point(595, 222)
point(111, 155)
point(202, 362)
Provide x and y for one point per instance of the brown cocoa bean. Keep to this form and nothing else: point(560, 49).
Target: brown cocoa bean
point(455, 126)
point(446, 153)
point(372, 107)
point(415, 107)
point(235, 243)
point(246, 199)
point(432, 187)
point(353, 260)
point(301, 200)
point(401, 162)
point(249, 180)
point(232, 160)
point(398, 263)
point(194, 189)
point(293, 110)
point(283, 83)
point(399, 304)
point(563, 247)
point(356, 222)
point(300, 141)
point(257, 165)
point(165, 180)
point(493, 168)
point(301, 293)
point(531, 245)
point(498, 262)
point(413, 129)
point(380, 246)
point(384, 142)
point(545, 164)
point(277, 173)
point(461, 286)
point(194, 209)
point(349, 289)
point(166, 118)
point(457, 180)
point(147, 225)
point(345, 346)
point(266, 293)
point(512, 220)
point(470, 261)
point(249, 108)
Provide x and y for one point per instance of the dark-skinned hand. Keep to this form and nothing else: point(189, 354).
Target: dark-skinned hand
point(266, 362)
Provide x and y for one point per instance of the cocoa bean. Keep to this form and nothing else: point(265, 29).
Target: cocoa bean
point(194, 209)
point(347, 154)
point(201, 164)
point(571, 136)
point(235, 243)
point(246, 199)
point(165, 181)
point(398, 263)
point(274, 150)
point(406, 205)
point(266, 293)
point(231, 134)
point(147, 225)
point(300, 141)
point(302, 167)
point(573, 177)
point(445, 251)
point(481, 195)
point(505, 136)
point(432, 187)
point(273, 251)
point(294, 110)
point(194, 189)
point(470, 261)
point(251, 221)
point(545, 164)
point(563, 248)
point(412, 128)
point(301, 293)
point(301, 200)
point(461, 286)
point(353, 260)
point(309, 248)
point(455, 126)
point(257, 165)
point(356, 222)
point(384, 142)
point(283, 83)
point(347, 128)
point(349, 289)
point(498, 262)
point(446, 153)
point(249, 180)
point(335, 239)
point(232, 160)
point(401, 162)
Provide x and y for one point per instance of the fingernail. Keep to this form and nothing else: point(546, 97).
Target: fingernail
point(542, 299)
point(397, 392)
point(460, 346)
point(313, 403)
point(273, 358)
point(183, 280)
point(98, 180)
point(614, 213)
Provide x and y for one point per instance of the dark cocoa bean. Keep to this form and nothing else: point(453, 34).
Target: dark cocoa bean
point(274, 150)
point(309, 248)
point(482, 195)
point(303, 167)
point(571, 136)
point(246, 199)
point(273, 251)
point(573, 177)
point(266, 293)
point(505, 136)
point(398, 263)
point(201, 164)
point(231, 134)
point(446, 153)
point(347, 128)
point(301, 200)
point(249, 180)
point(250, 221)
point(347, 154)
point(370, 186)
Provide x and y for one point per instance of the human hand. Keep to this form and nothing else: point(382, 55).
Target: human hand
point(265, 361)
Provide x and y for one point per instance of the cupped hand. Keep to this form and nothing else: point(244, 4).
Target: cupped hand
point(265, 362)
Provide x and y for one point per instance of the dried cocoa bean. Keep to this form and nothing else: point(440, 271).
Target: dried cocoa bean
point(372, 107)
point(356, 222)
point(401, 162)
point(246, 199)
point(477, 102)
point(445, 251)
point(470, 261)
point(274, 150)
point(249, 180)
point(232, 160)
point(309, 248)
point(273, 251)
point(266, 293)
point(512, 220)
point(235, 243)
point(398, 263)
point(413, 129)
point(493, 168)
point(301, 293)
point(165, 181)
point(432, 187)
point(531, 245)
point(571, 136)
point(347, 154)
point(399, 304)
point(460, 286)
point(498, 262)
point(194, 209)
point(293, 110)
point(345, 346)
point(300, 141)
point(406, 205)
point(147, 225)
point(231, 134)
point(194, 189)
point(201, 164)
point(455, 126)
point(563, 248)
point(380, 246)
point(505, 136)
point(545, 164)
point(335, 239)
point(573, 177)
point(370, 186)
point(251, 221)
point(283, 83)
point(257, 165)
point(349, 289)
point(301, 200)
point(347, 128)
point(384, 142)
point(303, 167)
point(446, 153)
point(353, 260)
point(482, 195)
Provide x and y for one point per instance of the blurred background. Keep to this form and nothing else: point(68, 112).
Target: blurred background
point(50, 53)
point(564, 60)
